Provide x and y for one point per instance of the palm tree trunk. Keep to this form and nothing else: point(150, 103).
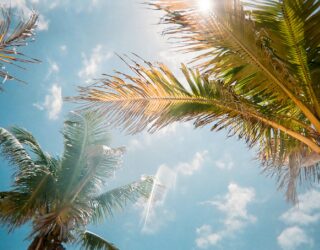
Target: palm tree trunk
point(43, 243)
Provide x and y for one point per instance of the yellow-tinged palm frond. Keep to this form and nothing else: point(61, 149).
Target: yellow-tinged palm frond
point(11, 39)
point(154, 97)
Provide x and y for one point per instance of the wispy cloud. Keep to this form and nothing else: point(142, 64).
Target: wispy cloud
point(91, 64)
point(52, 102)
point(94, 2)
point(303, 214)
point(307, 211)
point(188, 168)
point(293, 237)
point(206, 237)
point(81, 5)
point(43, 23)
point(225, 162)
point(146, 139)
point(63, 48)
point(234, 205)
point(53, 68)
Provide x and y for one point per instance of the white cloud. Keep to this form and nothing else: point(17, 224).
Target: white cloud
point(146, 139)
point(53, 68)
point(188, 168)
point(43, 23)
point(296, 216)
point(206, 237)
point(75, 5)
point(63, 48)
point(92, 64)
point(234, 205)
point(134, 144)
point(292, 237)
point(306, 211)
point(94, 2)
point(225, 163)
point(52, 103)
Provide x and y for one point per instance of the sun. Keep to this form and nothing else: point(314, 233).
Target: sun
point(205, 5)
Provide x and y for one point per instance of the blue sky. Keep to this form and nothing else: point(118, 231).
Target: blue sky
point(215, 198)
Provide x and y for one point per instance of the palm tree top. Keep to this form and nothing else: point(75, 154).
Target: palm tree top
point(62, 195)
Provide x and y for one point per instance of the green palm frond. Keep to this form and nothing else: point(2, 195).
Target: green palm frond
point(10, 202)
point(102, 162)
point(14, 152)
point(91, 241)
point(27, 139)
point(231, 39)
point(32, 181)
point(31, 195)
point(12, 38)
point(82, 133)
point(106, 203)
point(292, 39)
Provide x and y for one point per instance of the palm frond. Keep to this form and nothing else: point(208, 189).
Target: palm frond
point(230, 40)
point(155, 97)
point(10, 206)
point(102, 162)
point(82, 131)
point(32, 184)
point(91, 241)
point(12, 38)
point(106, 203)
point(300, 167)
point(287, 21)
point(32, 192)
point(27, 139)
point(14, 152)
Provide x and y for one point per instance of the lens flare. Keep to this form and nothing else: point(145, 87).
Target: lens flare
point(205, 5)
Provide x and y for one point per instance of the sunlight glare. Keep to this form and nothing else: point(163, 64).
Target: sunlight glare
point(205, 5)
point(164, 180)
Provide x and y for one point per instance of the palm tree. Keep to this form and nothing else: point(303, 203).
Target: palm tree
point(12, 37)
point(255, 72)
point(61, 195)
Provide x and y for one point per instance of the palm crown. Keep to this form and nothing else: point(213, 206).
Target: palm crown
point(256, 70)
point(61, 195)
